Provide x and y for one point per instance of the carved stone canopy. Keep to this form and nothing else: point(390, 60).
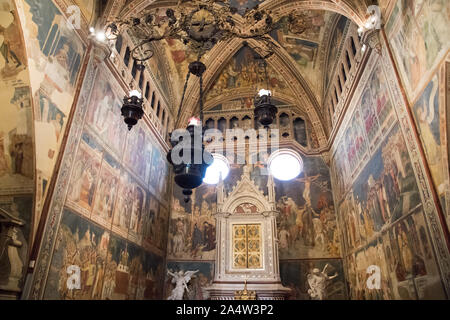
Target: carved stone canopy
point(246, 195)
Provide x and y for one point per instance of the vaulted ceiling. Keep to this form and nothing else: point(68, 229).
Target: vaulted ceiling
point(298, 71)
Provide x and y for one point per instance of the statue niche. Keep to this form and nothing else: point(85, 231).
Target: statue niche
point(247, 248)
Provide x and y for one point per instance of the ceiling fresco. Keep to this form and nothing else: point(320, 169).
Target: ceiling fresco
point(304, 50)
point(244, 73)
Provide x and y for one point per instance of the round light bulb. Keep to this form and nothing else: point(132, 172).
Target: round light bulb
point(135, 93)
point(100, 36)
point(264, 92)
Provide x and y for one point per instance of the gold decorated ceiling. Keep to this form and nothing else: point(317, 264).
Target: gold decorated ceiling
point(299, 64)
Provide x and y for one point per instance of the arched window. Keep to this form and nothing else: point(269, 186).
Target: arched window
point(119, 43)
point(134, 69)
point(300, 132)
point(153, 100)
point(158, 110)
point(349, 62)
point(222, 124)
point(344, 73)
point(234, 123)
point(126, 57)
point(284, 120)
point(147, 90)
point(210, 124)
point(141, 80)
point(353, 46)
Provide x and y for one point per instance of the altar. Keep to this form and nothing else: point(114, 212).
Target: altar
point(247, 243)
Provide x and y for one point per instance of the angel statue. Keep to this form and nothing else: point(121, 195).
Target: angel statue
point(318, 281)
point(181, 279)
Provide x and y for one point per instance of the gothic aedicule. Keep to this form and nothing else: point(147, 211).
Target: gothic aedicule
point(327, 121)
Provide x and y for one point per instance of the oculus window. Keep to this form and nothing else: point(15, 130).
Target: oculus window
point(220, 166)
point(285, 164)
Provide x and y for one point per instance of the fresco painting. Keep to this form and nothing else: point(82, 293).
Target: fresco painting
point(152, 278)
point(384, 191)
point(427, 111)
point(110, 207)
point(106, 191)
point(307, 221)
point(83, 244)
point(159, 169)
point(372, 118)
point(244, 72)
point(19, 207)
point(295, 275)
point(16, 145)
point(199, 282)
point(417, 31)
point(192, 231)
point(380, 212)
point(104, 115)
point(407, 264)
point(85, 175)
point(87, 8)
point(13, 58)
point(129, 207)
point(55, 56)
point(304, 47)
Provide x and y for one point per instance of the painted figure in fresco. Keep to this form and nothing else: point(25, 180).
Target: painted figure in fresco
point(181, 280)
point(4, 168)
point(309, 213)
point(209, 237)
point(283, 237)
point(318, 282)
point(11, 48)
point(427, 118)
point(196, 238)
point(62, 56)
point(178, 238)
point(17, 156)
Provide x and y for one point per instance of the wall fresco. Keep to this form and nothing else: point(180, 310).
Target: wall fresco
point(417, 32)
point(380, 210)
point(112, 207)
point(297, 275)
point(55, 55)
point(244, 72)
point(427, 112)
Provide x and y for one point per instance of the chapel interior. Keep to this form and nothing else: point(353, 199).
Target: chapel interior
point(323, 131)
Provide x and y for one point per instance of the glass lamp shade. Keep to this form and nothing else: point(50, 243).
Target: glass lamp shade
point(132, 109)
point(265, 110)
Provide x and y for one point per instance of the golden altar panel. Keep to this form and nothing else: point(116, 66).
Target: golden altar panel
point(247, 246)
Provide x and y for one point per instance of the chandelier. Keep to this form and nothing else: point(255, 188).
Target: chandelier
point(189, 174)
point(200, 25)
point(265, 111)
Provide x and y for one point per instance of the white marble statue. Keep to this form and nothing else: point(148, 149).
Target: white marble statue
point(181, 279)
point(317, 282)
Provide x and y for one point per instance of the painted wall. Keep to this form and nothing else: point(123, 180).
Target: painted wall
point(307, 226)
point(114, 219)
point(417, 34)
point(55, 55)
point(380, 193)
point(16, 143)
